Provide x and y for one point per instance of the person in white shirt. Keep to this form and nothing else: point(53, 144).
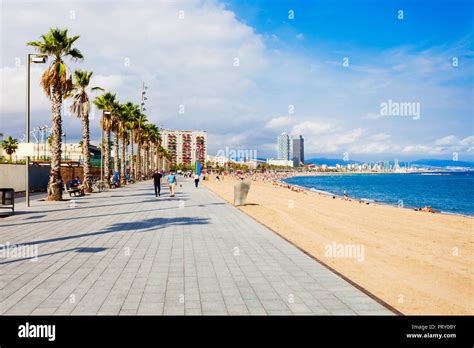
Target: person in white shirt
point(196, 180)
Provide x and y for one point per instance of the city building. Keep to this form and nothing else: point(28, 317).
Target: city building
point(280, 162)
point(185, 146)
point(298, 151)
point(217, 161)
point(283, 151)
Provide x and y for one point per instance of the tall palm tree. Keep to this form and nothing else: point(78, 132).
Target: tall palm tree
point(148, 140)
point(105, 102)
point(139, 128)
point(10, 145)
point(158, 142)
point(166, 156)
point(56, 83)
point(154, 139)
point(133, 112)
point(80, 106)
point(116, 109)
point(123, 134)
point(160, 154)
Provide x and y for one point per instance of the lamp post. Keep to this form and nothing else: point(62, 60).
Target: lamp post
point(142, 108)
point(38, 59)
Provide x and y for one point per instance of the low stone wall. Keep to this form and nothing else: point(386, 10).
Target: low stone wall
point(13, 176)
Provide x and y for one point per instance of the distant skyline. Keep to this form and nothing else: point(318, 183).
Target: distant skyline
point(246, 71)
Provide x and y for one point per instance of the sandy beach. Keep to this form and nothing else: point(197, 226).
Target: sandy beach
point(417, 262)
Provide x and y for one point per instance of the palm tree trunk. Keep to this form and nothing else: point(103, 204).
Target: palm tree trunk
point(132, 162)
point(87, 178)
point(152, 160)
point(106, 148)
point(139, 169)
point(122, 164)
point(146, 162)
point(147, 169)
point(55, 182)
point(116, 153)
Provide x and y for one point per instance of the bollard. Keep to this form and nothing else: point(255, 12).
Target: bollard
point(241, 191)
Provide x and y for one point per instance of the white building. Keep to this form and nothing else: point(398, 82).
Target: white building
point(185, 146)
point(217, 160)
point(280, 162)
point(41, 151)
point(284, 150)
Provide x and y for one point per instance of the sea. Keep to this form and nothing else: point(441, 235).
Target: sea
point(446, 192)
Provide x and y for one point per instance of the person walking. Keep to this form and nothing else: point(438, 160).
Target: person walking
point(171, 178)
point(196, 180)
point(157, 182)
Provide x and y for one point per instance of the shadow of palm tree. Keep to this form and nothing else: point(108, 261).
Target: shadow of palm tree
point(131, 226)
point(104, 215)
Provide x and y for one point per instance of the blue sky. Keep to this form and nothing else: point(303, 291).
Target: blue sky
point(334, 65)
point(368, 24)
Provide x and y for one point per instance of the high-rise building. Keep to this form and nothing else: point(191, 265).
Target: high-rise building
point(283, 151)
point(298, 151)
point(185, 147)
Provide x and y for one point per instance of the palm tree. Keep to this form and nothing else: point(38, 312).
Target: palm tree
point(80, 107)
point(149, 138)
point(56, 83)
point(105, 103)
point(116, 109)
point(139, 128)
point(155, 142)
point(161, 154)
point(10, 145)
point(133, 112)
point(123, 134)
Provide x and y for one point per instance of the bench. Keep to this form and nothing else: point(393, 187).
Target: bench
point(8, 199)
point(78, 190)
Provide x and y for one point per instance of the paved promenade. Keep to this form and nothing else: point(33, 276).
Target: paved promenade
point(125, 252)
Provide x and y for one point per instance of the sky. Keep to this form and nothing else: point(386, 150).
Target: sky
point(246, 71)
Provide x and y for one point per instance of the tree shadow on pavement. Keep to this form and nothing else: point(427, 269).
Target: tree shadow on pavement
point(152, 224)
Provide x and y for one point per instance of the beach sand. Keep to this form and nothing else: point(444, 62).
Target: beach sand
point(419, 263)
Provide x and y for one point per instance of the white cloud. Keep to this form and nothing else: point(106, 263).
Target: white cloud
point(13, 94)
point(279, 122)
point(312, 128)
point(109, 83)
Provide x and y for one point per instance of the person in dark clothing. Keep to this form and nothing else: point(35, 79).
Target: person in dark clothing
point(157, 182)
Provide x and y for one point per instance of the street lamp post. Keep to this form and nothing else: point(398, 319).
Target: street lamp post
point(142, 108)
point(35, 58)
